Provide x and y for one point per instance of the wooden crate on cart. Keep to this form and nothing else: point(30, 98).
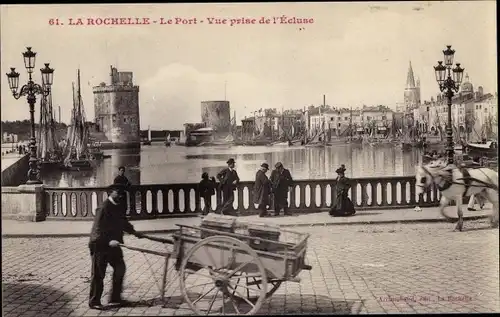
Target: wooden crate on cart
point(219, 223)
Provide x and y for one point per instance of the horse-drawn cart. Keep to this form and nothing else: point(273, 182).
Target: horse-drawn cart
point(226, 258)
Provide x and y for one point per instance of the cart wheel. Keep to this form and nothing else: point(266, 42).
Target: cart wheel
point(252, 287)
point(221, 260)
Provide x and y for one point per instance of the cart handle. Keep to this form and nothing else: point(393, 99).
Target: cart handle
point(145, 250)
point(306, 267)
point(157, 239)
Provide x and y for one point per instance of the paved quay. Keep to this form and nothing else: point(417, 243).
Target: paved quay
point(356, 269)
point(66, 228)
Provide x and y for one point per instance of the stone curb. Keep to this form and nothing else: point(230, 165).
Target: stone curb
point(316, 224)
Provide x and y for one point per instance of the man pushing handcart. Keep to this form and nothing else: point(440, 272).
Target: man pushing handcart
point(229, 267)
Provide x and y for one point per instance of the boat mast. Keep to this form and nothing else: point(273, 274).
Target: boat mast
point(350, 126)
point(323, 120)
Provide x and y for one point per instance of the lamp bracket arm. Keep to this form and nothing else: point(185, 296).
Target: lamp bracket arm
point(22, 92)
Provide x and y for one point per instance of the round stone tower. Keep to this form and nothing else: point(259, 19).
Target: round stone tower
point(216, 115)
point(117, 110)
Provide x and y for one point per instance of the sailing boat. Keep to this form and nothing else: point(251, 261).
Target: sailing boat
point(148, 141)
point(488, 146)
point(283, 139)
point(319, 139)
point(48, 150)
point(78, 155)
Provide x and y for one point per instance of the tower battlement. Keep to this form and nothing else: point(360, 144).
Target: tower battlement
point(116, 108)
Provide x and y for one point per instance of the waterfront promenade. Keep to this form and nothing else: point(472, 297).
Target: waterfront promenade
point(356, 269)
point(68, 228)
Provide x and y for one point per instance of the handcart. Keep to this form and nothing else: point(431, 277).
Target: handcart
point(238, 265)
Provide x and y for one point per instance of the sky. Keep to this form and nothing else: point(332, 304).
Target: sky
point(354, 53)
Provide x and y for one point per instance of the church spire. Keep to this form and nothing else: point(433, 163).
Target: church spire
point(410, 79)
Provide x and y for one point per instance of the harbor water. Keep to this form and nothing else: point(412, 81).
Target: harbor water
point(158, 164)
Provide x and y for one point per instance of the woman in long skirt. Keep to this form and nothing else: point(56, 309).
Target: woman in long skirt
point(343, 205)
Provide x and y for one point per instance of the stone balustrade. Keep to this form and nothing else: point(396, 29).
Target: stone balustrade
point(177, 200)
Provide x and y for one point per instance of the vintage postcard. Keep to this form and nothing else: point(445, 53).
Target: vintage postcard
point(249, 158)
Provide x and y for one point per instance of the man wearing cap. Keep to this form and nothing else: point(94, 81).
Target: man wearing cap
point(281, 180)
point(262, 190)
point(228, 179)
point(107, 233)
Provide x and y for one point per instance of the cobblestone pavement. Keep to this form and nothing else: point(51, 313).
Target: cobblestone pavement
point(391, 268)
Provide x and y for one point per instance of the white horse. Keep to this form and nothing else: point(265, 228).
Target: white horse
point(455, 182)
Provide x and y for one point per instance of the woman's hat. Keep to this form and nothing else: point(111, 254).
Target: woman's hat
point(278, 165)
point(265, 165)
point(230, 161)
point(340, 170)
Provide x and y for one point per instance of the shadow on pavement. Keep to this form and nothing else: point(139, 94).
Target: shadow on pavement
point(367, 213)
point(276, 305)
point(21, 295)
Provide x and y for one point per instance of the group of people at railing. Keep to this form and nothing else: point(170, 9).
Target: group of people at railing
point(268, 191)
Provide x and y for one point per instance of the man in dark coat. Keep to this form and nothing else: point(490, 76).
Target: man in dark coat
point(281, 180)
point(262, 190)
point(107, 233)
point(207, 190)
point(343, 205)
point(228, 179)
point(121, 178)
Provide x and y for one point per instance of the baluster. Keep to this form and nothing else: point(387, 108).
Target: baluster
point(176, 200)
point(435, 195)
point(197, 202)
point(49, 204)
point(322, 187)
point(165, 209)
point(68, 204)
point(364, 195)
point(154, 202)
point(383, 188)
point(99, 198)
point(403, 193)
point(239, 192)
point(312, 196)
point(413, 194)
point(302, 189)
point(394, 193)
point(187, 197)
point(144, 209)
point(251, 205)
point(374, 194)
point(88, 196)
point(59, 205)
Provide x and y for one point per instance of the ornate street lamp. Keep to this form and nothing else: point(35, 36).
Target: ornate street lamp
point(449, 81)
point(30, 90)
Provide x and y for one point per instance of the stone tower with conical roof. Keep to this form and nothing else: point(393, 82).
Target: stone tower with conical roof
point(412, 90)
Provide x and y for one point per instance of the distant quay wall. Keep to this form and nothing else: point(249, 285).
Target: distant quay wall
point(120, 145)
point(17, 173)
